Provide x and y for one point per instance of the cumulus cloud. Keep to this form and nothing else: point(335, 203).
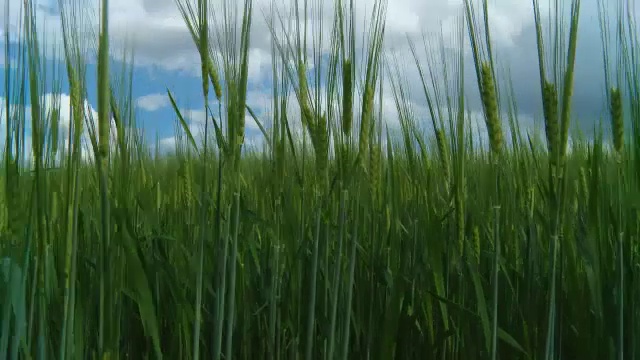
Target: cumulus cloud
point(156, 29)
point(60, 103)
point(152, 102)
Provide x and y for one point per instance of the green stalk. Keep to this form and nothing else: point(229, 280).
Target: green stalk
point(231, 301)
point(103, 163)
point(337, 278)
point(311, 308)
point(203, 48)
point(621, 267)
point(496, 269)
point(274, 287)
point(221, 290)
point(352, 268)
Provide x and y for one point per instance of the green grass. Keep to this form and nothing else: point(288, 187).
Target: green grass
point(339, 237)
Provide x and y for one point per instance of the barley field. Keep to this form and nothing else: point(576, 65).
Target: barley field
point(337, 237)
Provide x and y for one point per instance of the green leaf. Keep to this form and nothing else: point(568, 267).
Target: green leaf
point(219, 137)
point(139, 289)
point(482, 303)
point(185, 127)
point(255, 118)
point(504, 336)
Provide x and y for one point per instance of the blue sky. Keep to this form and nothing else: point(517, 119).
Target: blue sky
point(166, 56)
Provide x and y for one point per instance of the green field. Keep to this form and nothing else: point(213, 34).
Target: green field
point(338, 236)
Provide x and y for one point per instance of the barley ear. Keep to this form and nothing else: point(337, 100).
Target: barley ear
point(347, 98)
point(375, 161)
point(490, 102)
point(305, 108)
point(215, 79)
point(204, 58)
point(365, 123)
point(322, 146)
point(617, 122)
point(550, 108)
point(443, 153)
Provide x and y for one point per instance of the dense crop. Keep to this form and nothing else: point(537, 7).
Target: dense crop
point(339, 237)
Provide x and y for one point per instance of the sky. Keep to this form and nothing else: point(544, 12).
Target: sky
point(166, 58)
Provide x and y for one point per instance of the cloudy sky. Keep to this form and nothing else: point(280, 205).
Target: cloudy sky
point(165, 56)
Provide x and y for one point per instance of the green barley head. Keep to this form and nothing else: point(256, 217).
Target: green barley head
point(375, 163)
point(443, 153)
point(490, 102)
point(205, 77)
point(76, 106)
point(240, 128)
point(322, 145)
point(617, 122)
point(550, 107)
point(204, 59)
point(347, 99)
point(365, 123)
point(215, 79)
point(305, 108)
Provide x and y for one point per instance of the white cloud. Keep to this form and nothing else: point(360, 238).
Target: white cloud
point(152, 102)
point(156, 29)
point(13, 62)
point(168, 144)
point(61, 102)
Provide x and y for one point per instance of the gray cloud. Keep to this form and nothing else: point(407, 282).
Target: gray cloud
point(517, 53)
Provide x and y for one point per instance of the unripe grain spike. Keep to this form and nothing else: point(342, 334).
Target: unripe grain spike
point(550, 107)
point(365, 124)
point(347, 99)
point(617, 121)
point(490, 102)
point(215, 79)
